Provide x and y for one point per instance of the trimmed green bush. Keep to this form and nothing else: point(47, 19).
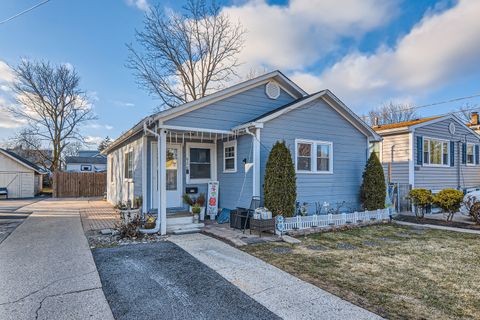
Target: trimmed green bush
point(449, 200)
point(421, 198)
point(373, 190)
point(280, 188)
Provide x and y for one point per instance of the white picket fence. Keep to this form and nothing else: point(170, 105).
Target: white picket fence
point(333, 220)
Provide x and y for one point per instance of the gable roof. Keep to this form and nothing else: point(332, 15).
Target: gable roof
point(330, 99)
point(285, 83)
point(402, 124)
point(87, 160)
point(12, 155)
point(406, 126)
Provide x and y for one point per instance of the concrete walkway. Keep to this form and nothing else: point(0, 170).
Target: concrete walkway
point(46, 267)
point(283, 294)
point(432, 226)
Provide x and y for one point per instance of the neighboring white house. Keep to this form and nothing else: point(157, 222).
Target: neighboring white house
point(22, 178)
point(86, 161)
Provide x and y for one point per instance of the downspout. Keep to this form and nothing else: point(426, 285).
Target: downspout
point(157, 222)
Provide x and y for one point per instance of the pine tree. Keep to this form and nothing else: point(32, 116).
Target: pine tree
point(373, 190)
point(280, 189)
point(104, 143)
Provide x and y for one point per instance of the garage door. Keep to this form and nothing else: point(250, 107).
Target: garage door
point(18, 184)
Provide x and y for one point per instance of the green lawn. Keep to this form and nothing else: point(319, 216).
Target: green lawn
point(396, 272)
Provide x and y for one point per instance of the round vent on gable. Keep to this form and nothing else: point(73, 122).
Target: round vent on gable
point(272, 90)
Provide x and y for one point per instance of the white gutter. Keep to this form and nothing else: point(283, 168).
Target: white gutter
point(157, 222)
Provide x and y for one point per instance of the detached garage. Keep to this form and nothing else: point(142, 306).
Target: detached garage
point(20, 177)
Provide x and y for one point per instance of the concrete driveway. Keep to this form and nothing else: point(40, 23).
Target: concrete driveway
point(162, 281)
point(46, 266)
point(12, 215)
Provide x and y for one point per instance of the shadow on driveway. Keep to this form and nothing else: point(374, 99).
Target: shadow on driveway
point(162, 281)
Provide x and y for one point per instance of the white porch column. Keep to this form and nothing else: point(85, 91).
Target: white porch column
point(162, 170)
point(256, 163)
point(144, 174)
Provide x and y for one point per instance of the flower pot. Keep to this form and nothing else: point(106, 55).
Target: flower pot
point(195, 218)
point(128, 215)
point(202, 214)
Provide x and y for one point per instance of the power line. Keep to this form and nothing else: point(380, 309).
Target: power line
point(24, 11)
point(443, 102)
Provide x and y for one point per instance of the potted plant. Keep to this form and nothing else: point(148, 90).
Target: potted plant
point(189, 201)
point(201, 203)
point(196, 209)
point(128, 211)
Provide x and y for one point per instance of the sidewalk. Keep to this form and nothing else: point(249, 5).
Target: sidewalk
point(283, 294)
point(46, 267)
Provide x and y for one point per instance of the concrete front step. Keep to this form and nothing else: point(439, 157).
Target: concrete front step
point(179, 220)
point(187, 231)
point(187, 226)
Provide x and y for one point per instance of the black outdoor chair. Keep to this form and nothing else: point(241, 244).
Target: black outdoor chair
point(242, 216)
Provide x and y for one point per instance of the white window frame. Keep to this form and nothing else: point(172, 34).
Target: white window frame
point(213, 162)
point(90, 169)
point(111, 168)
point(229, 144)
point(313, 156)
point(434, 164)
point(124, 160)
point(466, 154)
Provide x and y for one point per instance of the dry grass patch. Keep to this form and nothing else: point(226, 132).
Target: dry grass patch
point(398, 272)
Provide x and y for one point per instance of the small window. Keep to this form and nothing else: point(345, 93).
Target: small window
point(128, 165)
point(230, 156)
point(201, 163)
point(470, 154)
point(436, 152)
point(314, 156)
point(86, 167)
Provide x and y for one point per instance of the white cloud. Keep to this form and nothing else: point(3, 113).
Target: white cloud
point(298, 35)
point(108, 127)
point(93, 140)
point(139, 4)
point(123, 103)
point(439, 49)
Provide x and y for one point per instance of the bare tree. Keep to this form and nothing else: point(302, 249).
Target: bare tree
point(26, 144)
point(184, 57)
point(391, 113)
point(465, 111)
point(255, 72)
point(51, 102)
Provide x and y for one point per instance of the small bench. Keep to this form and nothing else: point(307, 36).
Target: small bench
point(3, 193)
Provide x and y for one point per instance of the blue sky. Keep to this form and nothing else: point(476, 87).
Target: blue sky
point(367, 52)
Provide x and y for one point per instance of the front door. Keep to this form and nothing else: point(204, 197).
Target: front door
point(174, 175)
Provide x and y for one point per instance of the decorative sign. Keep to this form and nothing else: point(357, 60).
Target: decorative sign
point(212, 199)
point(280, 223)
point(451, 128)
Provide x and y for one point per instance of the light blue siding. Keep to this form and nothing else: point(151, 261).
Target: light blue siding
point(437, 178)
point(235, 189)
point(232, 111)
point(318, 121)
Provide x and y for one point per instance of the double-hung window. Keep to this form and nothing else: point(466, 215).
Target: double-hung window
point(313, 156)
point(436, 152)
point(201, 163)
point(470, 154)
point(128, 164)
point(230, 156)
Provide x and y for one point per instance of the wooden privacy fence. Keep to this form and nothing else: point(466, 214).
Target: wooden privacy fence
point(79, 184)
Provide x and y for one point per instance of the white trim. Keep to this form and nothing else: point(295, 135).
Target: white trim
point(256, 163)
point(313, 156)
point(129, 150)
point(152, 172)
point(359, 124)
point(180, 128)
point(466, 155)
point(442, 165)
point(229, 144)
point(21, 162)
point(162, 169)
point(450, 116)
point(230, 91)
point(411, 160)
point(144, 173)
point(213, 162)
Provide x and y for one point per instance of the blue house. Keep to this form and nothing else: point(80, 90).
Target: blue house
point(227, 137)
